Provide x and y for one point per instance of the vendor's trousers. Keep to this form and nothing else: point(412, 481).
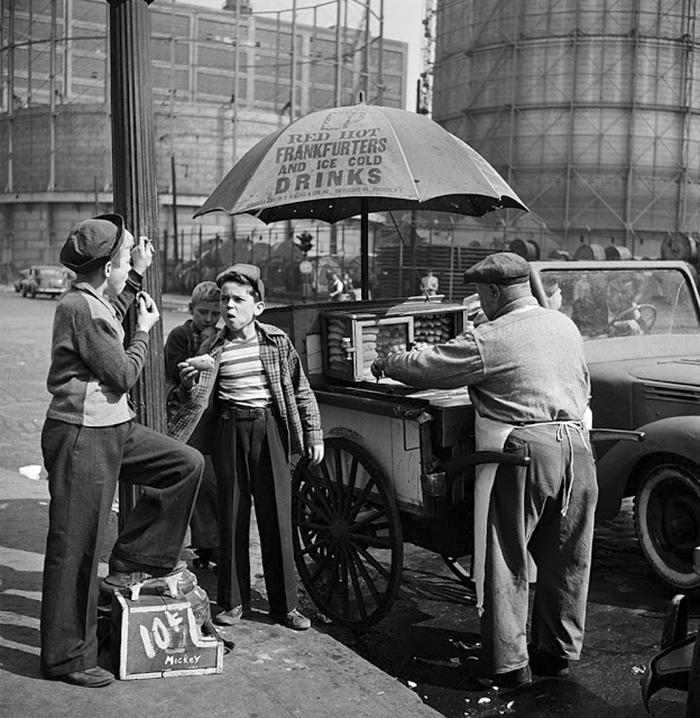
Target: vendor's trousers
point(547, 508)
point(84, 465)
point(251, 467)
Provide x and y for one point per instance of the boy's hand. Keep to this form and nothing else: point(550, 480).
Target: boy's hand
point(315, 454)
point(188, 374)
point(142, 255)
point(147, 314)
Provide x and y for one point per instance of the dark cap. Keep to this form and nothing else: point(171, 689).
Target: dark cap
point(92, 243)
point(247, 271)
point(499, 268)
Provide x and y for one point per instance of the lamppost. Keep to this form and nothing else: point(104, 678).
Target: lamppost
point(134, 186)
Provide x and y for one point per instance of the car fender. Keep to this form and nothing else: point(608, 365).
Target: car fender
point(678, 435)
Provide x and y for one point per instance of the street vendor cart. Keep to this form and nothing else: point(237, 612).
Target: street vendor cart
point(399, 463)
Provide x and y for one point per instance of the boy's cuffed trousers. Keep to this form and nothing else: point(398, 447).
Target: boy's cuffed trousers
point(84, 465)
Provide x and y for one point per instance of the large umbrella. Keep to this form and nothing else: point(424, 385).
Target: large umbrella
point(349, 161)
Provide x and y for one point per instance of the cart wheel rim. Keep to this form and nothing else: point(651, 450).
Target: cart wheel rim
point(348, 543)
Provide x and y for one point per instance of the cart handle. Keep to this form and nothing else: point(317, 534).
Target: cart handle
point(483, 457)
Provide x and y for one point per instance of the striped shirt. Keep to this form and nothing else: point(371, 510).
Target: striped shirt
point(242, 379)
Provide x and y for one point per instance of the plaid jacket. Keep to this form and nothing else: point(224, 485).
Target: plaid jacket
point(295, 405)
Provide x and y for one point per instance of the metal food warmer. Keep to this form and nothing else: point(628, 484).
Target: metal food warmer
point(399, 463)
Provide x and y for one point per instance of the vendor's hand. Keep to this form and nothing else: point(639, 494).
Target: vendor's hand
point(142, 255)
point(188, 374)
point(377, 368)
point(147, 314)
point(315, 454)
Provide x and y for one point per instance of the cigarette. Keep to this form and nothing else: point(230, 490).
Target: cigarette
point(148, 240)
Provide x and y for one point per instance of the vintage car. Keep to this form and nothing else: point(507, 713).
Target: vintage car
point(45, 279)
point(640, 321)
point(19, 279)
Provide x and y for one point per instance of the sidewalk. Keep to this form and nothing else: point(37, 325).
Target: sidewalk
point(272, 672)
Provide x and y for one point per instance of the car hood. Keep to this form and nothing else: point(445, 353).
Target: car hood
point(675, 371)
point(671, 358)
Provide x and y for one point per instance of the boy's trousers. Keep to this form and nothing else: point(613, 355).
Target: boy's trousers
point(84, 465)
point(547, 508)
point(251, 463)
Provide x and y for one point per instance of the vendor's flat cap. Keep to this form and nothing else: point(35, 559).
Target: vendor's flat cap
point(247, 271)
point(499, 268)
point(92, 243)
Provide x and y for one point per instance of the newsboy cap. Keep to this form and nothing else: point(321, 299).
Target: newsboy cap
point(248, 271)
point(499, 268)
point(92, 243)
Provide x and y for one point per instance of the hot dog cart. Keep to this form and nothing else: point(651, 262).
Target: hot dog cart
point(398, 462)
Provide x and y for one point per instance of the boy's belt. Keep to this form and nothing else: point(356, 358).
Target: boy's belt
point(228, 410)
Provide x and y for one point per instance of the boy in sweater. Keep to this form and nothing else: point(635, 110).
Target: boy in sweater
point(183, 342)
point(252, 408)
point(90, 441)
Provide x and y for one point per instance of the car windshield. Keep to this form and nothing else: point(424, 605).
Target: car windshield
point(614, 303)
point(50, 272)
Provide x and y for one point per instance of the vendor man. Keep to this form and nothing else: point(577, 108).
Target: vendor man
point(529, 384)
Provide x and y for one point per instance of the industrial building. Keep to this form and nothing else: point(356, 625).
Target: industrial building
point(222, 80)
point(590, 110)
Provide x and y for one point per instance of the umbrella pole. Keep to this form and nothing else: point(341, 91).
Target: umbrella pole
point(364, 247)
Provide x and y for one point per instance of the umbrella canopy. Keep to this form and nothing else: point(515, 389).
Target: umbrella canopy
point(322, 166)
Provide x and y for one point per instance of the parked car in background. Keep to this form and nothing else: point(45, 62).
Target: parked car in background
point(45, 279)
point(21, 276)
point(640, 321)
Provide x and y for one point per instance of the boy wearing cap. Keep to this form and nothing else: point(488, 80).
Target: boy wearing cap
point(183, 342)
point(90, 442)
point(251, 411)
point(529, 384)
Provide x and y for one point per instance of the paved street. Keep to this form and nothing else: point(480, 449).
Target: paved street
point(427, 638)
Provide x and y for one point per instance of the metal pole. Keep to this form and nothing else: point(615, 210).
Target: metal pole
point(135, 196)
point(173, 181)
point(364, 247)
point(293, 78)
point(338, 57)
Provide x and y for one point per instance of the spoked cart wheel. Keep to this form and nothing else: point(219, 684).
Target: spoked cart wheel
point(348, 545)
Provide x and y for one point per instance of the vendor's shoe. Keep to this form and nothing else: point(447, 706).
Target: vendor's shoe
point(547, 664)
point(294, 620)
point(229, 618)
point(518, 678)
point(89, 678)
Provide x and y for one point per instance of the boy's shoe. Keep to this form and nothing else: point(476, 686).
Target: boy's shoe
point(518, 678)
point(294, 620)
point(174, 581)
point(547, 664)
point(122, 565)
point(95, 677)
point(230, 617)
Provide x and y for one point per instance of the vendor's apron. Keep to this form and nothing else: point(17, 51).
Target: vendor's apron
point(491, 435)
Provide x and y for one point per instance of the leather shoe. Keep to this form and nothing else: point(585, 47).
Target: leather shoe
point(519, 678)
point(230, 617)
point(547, 664)
point(294, 620)
point(122, 565)
point(95, 677)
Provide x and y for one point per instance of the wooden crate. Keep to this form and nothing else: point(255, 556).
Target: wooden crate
point(158, 637)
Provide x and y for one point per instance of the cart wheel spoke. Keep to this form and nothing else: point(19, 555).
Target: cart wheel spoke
point(378, 567)
point(319, 493)
point(356, 585)
point(366, 577)
point(347, 535)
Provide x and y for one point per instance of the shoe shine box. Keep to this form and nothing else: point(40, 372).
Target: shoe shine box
point(158, 637)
